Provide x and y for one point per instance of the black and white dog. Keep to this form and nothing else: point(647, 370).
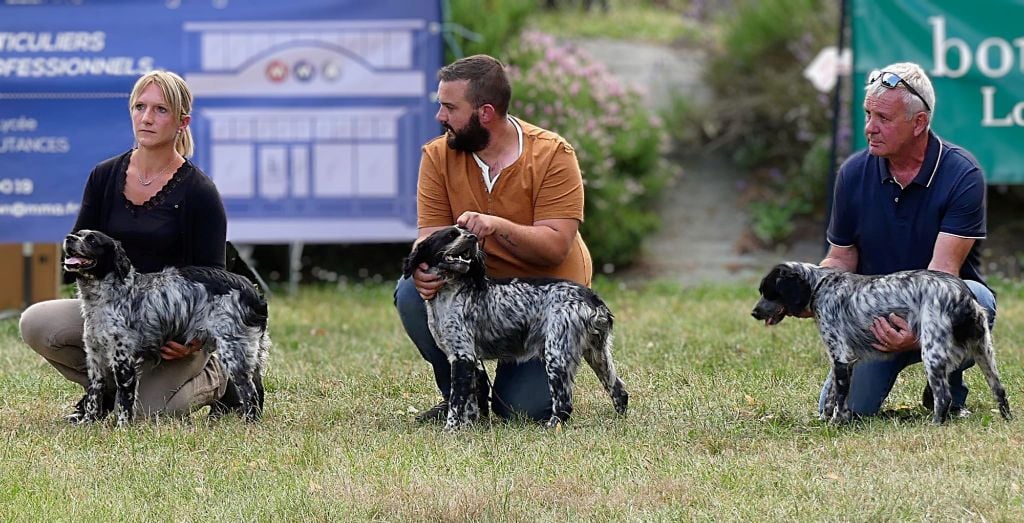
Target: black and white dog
point(950, 324)
point(129, 316)
point(474, 317)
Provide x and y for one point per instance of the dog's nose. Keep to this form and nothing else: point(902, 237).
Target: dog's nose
point(471, 236)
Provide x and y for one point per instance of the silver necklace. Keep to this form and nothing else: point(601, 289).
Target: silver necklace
point(147, 183)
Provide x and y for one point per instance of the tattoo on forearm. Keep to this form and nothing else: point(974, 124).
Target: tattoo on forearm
point(507, 238)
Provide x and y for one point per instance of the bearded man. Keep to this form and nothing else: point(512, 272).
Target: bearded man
point(519, 189)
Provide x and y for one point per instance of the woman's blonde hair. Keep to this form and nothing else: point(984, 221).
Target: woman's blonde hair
point(179, 101)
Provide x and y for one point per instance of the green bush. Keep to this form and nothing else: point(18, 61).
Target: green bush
point(766, 114)
point(618, 141)
point(624, 20)
point(482, 26)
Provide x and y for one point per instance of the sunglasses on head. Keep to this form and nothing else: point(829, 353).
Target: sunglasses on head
point(892, 80)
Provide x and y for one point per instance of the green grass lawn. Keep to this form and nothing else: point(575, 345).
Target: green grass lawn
point(722, 426)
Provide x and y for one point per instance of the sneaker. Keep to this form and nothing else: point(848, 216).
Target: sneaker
point(928, 402)
point(436, 414)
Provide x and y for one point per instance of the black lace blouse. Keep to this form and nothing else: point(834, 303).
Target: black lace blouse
point(183, 224)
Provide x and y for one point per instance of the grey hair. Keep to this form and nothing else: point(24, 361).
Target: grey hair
point(914, 75)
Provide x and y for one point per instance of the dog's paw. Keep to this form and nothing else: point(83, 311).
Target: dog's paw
point(621, 401)
point(253, 414)
point(83, 416)
point(554, 423)
point(83, 419)
point(77, 418)
point(841, 416)
point(452, 427)
point(456, 423)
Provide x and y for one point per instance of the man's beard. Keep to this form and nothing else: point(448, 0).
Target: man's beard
point(471, 138)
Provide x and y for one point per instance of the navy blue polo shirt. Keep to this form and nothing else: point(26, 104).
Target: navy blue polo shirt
point(895, 229)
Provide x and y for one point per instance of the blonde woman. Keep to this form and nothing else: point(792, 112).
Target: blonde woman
point(165, 212)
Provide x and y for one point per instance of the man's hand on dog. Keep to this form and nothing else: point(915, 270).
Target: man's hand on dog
point(173, 350)
point(426, 283)
point(482, 225)
point(893, 334)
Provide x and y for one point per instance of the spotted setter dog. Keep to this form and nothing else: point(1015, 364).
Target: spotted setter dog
point(950, 324)
point(130, 315)
point(474, 317)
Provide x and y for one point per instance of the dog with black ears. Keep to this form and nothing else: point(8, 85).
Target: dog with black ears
point(950, 324)
point(130, 315)
point(474, 318)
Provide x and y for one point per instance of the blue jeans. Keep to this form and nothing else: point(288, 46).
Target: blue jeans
point(518, 389)
point(872, 380)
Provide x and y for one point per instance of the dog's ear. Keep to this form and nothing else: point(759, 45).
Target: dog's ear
point(122, 265)
point(408, 266)
point(768, 283)
point(478, 269)
point(793, 290)
point(414, 258)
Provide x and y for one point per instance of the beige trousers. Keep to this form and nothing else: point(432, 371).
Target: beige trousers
point(166, 388)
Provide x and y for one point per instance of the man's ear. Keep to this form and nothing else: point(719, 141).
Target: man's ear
point(487, 113)
point(921, 123)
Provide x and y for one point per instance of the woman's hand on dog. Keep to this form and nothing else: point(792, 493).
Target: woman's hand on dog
point(427, 284)
point(173, 350)
point(893, 334)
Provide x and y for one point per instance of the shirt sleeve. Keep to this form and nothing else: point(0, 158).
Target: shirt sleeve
point(433, 208)
point(965, 216)
point(92, 196)
point(842, 223)
point(561, 191)
point(209, 224)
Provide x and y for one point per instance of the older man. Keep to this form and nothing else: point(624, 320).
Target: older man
point(909, 201)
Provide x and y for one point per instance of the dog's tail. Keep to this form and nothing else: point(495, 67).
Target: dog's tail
point(603, 318)
point(255, 307)
point(263, 355)
point(598, 355)
point(970, 320)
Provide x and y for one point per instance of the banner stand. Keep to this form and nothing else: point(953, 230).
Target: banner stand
point(26, 278)
point(294, 267)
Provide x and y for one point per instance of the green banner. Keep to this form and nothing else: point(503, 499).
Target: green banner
point(973, 51)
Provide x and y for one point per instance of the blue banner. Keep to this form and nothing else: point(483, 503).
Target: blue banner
point(308, 114)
